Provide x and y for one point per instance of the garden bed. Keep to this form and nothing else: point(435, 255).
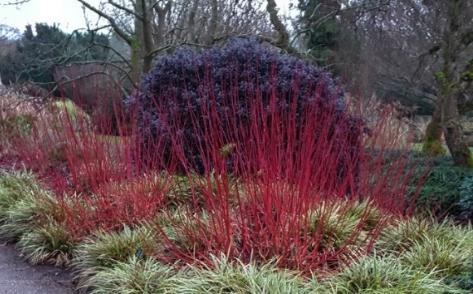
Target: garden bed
point(246, 180)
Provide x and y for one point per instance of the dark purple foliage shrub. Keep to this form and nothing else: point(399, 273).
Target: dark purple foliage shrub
point(187, 81)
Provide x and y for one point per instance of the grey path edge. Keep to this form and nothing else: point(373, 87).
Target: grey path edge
point(19, 277)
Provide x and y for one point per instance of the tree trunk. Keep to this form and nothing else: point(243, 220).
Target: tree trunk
point(283, 39)
point(433, 135)
point(136, 62)
point(213, 23)
point(146, 35)
point(142, 45)
point(454, 133)
point(449, 84)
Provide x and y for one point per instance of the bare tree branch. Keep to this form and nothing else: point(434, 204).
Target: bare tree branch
point(126, 9)
point(110, 19)
point(18, 2)
point(279, 26)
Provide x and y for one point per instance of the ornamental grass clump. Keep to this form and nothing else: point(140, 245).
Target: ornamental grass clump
point(443, 248)
point(134, 276)
point(405, 234)
point(51, 243)
point(105, 249)
point(449, 258)
point(401, 235)
point(385, 275)
point(34, 217)
point(34, 206)
point(343, 228)
point(224, 276)
point(14, 186)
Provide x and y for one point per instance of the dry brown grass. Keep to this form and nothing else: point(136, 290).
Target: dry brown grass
point(14, 103)
point(393, 128)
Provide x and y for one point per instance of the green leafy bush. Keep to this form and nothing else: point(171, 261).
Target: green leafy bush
point(42, 48)
point(466, 198)
point(446, 190)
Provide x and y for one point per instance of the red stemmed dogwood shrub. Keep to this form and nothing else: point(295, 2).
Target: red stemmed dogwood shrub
point(287, 170)
point(101, 179)
point(116, 186)
point(237, 150)
point(280, 199)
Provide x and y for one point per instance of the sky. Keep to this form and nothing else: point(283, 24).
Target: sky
point(67, 13)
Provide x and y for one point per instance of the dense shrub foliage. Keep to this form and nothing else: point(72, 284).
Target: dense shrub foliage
point(466, 198)
point(185, 85)
point(447, 191)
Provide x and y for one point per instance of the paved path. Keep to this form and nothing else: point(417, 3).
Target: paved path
point(18, 277)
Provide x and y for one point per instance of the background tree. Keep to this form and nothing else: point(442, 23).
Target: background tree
point(151, 27)
point(455, 76)
point(412, 51)
point(328, 33)
point(422, 50)
point(38, 52)
point(318, 22)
